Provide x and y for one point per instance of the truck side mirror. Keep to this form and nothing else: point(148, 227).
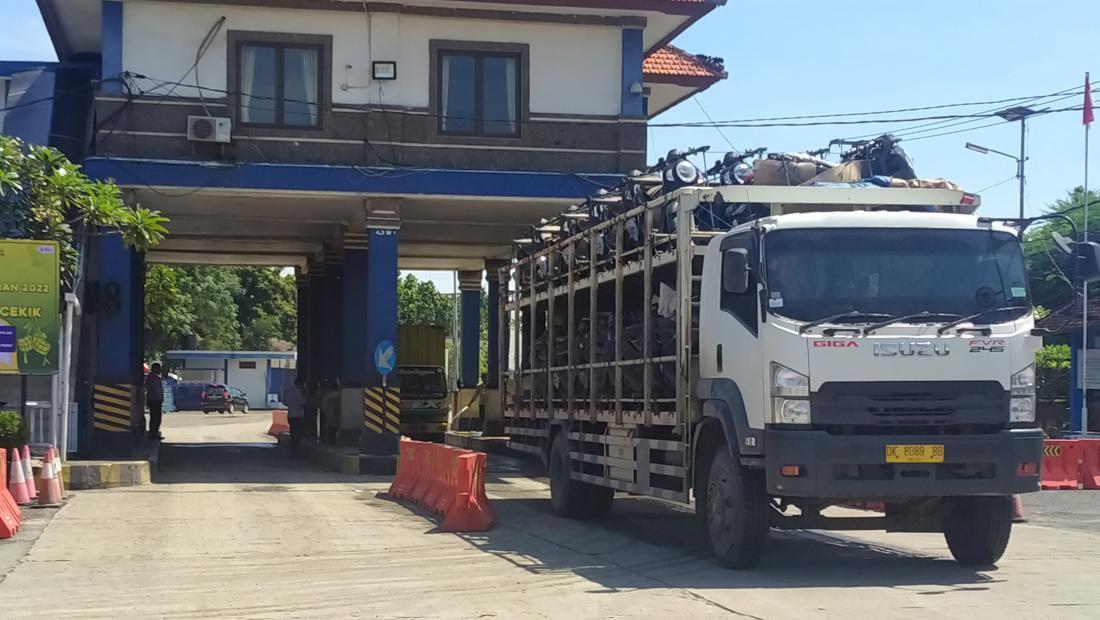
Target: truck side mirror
point(1088, 261)
point(735, 271)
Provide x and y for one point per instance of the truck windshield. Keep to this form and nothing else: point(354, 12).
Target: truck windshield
point(424, 382)
point(814, 274)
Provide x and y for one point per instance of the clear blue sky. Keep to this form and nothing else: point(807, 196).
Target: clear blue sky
point(791, 58)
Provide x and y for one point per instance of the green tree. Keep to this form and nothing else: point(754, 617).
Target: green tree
point(1050, 270)
point(420, 303)
point(168, 316)
point(267, 307)
point(45, 196)
point(209, 292)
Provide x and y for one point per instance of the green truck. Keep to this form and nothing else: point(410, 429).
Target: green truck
point(425, 402)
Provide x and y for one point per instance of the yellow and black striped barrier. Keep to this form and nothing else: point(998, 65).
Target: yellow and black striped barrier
point(111, 404)
point(382, 409)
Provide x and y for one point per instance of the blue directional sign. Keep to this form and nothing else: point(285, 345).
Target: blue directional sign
point(385, 357)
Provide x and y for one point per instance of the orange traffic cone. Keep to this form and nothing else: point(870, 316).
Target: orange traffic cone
point(1018, 510)
point(17, 484)
point(28, 473)
point(51, 488)
point(57, 467)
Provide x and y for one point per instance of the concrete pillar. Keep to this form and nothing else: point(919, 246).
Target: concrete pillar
point(302, 282)
point(379, 439)
point(355, 357)
point(318, 292)
point(492, 279)
point(333, 313)
point(111, 47)
point(469, 285)
point(117, 403)
point(493, 423)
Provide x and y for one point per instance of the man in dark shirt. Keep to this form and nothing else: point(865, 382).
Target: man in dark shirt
point(154, 398)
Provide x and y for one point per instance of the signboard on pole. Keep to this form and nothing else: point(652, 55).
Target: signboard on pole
point(30, 292)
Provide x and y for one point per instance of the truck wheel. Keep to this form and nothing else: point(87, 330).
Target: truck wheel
point(736, 511)
point(569, 498)
point(977, 529)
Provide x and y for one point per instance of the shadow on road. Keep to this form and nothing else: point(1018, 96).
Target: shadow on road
point(646, 544)
point(247, 463)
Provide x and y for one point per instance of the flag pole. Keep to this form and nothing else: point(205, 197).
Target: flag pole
point(1087, 118)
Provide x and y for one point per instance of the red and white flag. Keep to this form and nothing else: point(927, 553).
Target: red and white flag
point(1088, 116)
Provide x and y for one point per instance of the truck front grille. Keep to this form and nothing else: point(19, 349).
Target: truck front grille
point(916, 407)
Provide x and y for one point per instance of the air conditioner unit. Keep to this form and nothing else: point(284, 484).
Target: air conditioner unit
point(209, 129)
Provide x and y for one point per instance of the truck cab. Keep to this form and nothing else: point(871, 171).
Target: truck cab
point(425, 405)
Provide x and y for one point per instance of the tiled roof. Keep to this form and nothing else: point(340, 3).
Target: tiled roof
point(673, 65)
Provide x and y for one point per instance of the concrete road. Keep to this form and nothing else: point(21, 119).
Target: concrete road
point(196, 427)
point(237, 530)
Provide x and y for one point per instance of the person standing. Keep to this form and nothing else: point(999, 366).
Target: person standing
point(154, 399)
point(295, 401)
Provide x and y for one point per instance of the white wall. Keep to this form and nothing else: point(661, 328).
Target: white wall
point(575, 69)
point(253, 381)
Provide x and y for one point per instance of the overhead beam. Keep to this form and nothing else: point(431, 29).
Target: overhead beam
point(235, 260)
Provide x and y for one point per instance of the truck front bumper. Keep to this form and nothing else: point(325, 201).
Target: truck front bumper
point(855, 467)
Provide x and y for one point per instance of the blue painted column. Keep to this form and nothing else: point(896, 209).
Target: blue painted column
point(117, 404)
point(355, 355)
point(381, 424)
point(469, 286)
point(1076, 398)
point(633, 105)
point(318, 293)
point(111, 47)
point(302, 282)
point(333, 311)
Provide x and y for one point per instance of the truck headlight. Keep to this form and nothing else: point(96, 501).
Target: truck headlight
point(791, 396)
point(1023, 382)
point(1021, 409)
point(1021, 406)
point(786, 382)
point(791, 410)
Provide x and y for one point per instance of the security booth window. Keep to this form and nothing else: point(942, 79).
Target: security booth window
point(479, 93)
point(279, 84)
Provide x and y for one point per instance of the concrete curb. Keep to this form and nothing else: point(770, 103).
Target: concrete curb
point(84, 475)
point(489, 445)
point(345, 460)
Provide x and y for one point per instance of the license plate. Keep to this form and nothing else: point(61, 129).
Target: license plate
point(914, 453)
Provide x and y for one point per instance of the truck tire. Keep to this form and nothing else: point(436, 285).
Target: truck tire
point(977, 529)
point(571, 498)
point(736, 511)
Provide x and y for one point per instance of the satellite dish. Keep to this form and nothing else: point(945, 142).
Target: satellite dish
point(1064, 243)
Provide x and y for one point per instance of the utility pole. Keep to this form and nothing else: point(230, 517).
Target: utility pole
point(1020, 113)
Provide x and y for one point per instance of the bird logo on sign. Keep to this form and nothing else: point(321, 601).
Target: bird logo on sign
point(385, 357)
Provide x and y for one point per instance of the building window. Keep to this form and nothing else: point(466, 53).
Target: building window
point(479, 93)
point(246, 365)
point(279, 84)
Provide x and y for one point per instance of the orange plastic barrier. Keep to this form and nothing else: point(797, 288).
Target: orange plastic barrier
point(447, 481)
point(279, 423)
point(1090, 463)
point(1061, 464)
point(11, 515)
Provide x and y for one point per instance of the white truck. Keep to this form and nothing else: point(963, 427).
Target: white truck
point(856, 345)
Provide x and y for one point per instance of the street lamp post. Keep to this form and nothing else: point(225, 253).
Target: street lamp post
point(1019, 167)
point(1018, 113)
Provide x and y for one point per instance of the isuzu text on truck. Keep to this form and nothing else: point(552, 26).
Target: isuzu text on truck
point(857, 344)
